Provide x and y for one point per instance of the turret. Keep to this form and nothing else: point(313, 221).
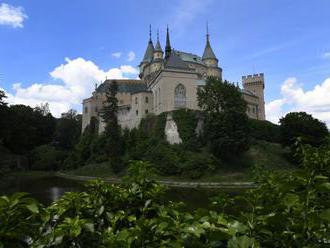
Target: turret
point(149, 53)
point(209, 57)
point(158, 52)
point(256, 84)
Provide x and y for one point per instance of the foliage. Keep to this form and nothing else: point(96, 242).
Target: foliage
point(226, 123)
point(114, 143)
point(196, 165)
point(68, 130)
point(300, 124)
point(46, 157)
point(27, 128)
point(264, 130)
point(284, 210)
point(2, 97)
point(21, 218)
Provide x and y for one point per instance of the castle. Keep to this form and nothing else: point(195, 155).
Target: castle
point(168, 81)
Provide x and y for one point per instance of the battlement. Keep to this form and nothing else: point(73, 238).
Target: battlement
point(257, 76)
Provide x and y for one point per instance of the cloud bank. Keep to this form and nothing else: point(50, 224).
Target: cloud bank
point(294, 98)
point(73, 81)
point(12, 16)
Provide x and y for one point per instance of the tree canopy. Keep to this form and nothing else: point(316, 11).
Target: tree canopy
point(226, 123)
point(303, 125)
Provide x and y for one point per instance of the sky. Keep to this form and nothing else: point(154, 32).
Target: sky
point(56, 51)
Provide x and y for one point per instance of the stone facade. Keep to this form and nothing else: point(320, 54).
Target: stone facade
point(169, 81)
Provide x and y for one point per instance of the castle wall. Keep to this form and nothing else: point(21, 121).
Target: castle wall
point(164, 90)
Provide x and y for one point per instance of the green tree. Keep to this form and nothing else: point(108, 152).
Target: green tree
point(114, 144)
point(2, 97)
point(303, 125)
point(226, 123)
point(68, 130)
point(27, 128)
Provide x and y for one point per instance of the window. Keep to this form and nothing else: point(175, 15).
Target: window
point(180, 96)
point(136, 100)
point(137, 112)
point(147, 99)
point(86, 110)
point(146, 111)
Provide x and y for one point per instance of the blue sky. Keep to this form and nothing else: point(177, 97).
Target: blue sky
point(54, 51)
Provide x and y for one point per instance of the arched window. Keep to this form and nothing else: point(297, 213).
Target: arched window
point(180, 96)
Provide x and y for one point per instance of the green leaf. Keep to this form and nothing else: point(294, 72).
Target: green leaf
point(242, 242)
point(325, 214)
point(33, 208)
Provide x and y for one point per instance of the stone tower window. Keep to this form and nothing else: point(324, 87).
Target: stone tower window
point(180, 96)
point(86, 110)
point(147, 99)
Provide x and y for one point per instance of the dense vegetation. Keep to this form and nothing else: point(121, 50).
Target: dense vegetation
point(34, 139)
point(284, 210)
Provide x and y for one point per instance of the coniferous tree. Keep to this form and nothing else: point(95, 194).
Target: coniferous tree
point(114, 142)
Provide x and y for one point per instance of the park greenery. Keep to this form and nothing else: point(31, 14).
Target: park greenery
point(283, 210)
point(287, 208)
point(32, 139)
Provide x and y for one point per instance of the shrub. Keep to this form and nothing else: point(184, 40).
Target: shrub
point(46, 157)
point(197, 164)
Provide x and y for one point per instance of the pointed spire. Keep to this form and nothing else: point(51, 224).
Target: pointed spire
point(208, 52)
point(158, 47)
point(168, 48)
point(148, 55)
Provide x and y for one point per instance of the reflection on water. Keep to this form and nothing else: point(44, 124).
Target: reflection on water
point(50, 188)
point(46, 189)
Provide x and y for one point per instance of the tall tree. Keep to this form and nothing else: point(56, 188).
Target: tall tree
point(226, 123)
point(68, 130)
point(114, 144)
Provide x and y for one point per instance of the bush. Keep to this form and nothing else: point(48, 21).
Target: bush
point(46, 157)
point(198, 164)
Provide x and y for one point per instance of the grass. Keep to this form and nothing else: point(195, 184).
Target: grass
point(98, 170)
point(271, 156)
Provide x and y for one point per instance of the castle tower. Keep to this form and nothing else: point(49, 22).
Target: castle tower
point(210, 59)
point(148, 55)
point(158, 52)
point(256, 84)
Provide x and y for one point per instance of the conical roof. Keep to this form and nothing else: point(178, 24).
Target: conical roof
point(148, 55)
point(158, 47)
point(208, 52)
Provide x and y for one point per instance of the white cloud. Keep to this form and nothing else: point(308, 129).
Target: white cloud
point(326, 55)
point(130, 56)
point(75, 80)
point(117, 55)
point(294, 98)
point(12, 16)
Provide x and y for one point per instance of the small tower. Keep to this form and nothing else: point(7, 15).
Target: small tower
point(210, 59)
point(256, 84)
point(168, 48)
point(158, 52)
point(148, 55)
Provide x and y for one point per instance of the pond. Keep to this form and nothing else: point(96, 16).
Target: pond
point(48, 188)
